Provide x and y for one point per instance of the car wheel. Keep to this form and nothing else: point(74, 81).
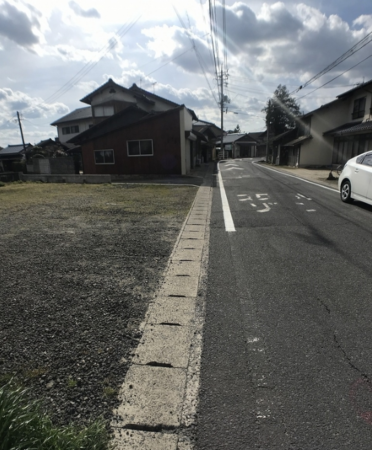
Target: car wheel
point(345, 192)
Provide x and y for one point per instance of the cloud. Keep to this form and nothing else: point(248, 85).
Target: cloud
point(19, 26)
point(88, 13)
point(274, 23)
point(12, 101)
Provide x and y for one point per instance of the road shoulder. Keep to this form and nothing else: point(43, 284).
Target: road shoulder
point(160, 392)
point(317, 176)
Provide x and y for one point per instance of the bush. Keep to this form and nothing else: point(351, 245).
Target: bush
point(19, 166)
point(23, 426)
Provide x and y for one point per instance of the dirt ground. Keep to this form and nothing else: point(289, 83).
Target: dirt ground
point(78, 266)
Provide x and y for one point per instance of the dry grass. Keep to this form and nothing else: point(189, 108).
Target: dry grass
point(149, 200)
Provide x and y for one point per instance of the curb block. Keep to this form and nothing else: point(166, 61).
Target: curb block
point(160, 391)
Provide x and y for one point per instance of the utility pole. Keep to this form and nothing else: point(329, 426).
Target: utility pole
point(222, 103)
point(267, 137)
point(20, 127)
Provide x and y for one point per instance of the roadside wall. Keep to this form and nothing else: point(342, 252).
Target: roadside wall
point(66, 178)
point(52, 166)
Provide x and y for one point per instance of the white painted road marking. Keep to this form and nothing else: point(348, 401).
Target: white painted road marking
point(267, 209)
point(307, 198)
point(229, 223)
point(297, 178)
point(311, 210)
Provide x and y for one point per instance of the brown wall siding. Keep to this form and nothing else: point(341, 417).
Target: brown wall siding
point(165, 133)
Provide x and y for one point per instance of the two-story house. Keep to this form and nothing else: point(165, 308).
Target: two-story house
point(105, 101)
point(334, 132)
point(133, 131)
point(73, 123)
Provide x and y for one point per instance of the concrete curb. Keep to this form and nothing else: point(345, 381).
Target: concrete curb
point(160, 393)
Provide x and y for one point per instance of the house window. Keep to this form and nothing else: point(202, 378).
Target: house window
point(140, 148)
point(104, 156)
point(359, 108)
point(70, 130)
point(103, 111)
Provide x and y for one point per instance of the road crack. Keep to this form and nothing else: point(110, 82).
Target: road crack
point(348, 359)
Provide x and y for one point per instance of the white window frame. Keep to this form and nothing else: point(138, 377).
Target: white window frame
point(104, 163)
point(140, 140)
point(107, 110)
point(68, 129)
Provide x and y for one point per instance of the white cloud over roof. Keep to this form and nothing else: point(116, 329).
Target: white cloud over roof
point(59, 51)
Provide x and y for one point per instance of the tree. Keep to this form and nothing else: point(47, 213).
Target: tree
point(235, 130)
point(281, 111)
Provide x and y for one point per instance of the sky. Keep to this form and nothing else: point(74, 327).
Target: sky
point(53, 53)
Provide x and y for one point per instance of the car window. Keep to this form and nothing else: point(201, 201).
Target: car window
point(367, 161)
point(359, 160)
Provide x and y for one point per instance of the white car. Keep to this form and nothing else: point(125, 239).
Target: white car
point(355, 180)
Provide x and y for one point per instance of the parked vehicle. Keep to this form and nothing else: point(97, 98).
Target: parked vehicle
point(355, 180)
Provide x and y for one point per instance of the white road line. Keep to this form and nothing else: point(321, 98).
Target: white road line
point(229, 223)
point(310, 210)
point(307, 198)
point(297, 178)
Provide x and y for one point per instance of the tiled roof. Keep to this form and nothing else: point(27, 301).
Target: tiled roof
point(150, 96)
point(298, 141)
point(230, 138)
point(362, 85)
point(124, 118)
point(341, 127)
point(109, 83)
point(78, 114)
point(13, 149)
point(364, 127)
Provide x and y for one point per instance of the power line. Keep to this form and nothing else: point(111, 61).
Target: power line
point(213, 41)
point(189, 35)
point(171, 60)
point(224, 34)
point(209, 36)
point(358, 46)
point(338, 76)
point(91, 64)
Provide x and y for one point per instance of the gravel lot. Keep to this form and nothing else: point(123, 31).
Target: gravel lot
point(79, 264)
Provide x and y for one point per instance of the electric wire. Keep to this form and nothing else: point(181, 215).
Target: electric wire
point(213, 41)
point(91, 64)
point(358, 46)
point(198, 57)
point(338, 76)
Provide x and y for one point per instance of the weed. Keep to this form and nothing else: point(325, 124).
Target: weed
point(24, 426)
point(108, 391)
point(71, 383)
point(34, 373)
point(6, 378)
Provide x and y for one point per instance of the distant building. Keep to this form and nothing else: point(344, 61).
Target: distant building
point(133, 131)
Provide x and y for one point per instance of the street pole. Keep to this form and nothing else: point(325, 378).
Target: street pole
point(267, 137)
point(20, 127)
point(222, 147)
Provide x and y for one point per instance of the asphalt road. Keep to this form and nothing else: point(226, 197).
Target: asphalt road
point(287, 357)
